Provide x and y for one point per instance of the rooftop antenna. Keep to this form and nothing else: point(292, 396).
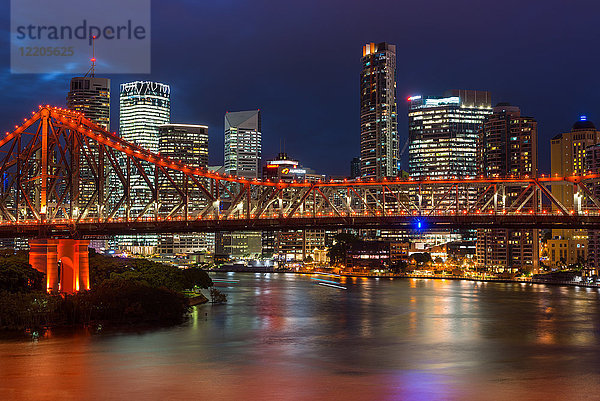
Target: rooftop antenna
point(92, 71)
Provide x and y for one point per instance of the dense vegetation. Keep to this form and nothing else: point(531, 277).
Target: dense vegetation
point(124, 291)
point(16, 275)
point(337, 252)
point(154, 274)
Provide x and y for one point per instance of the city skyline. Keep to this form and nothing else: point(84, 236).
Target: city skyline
point(287, 90)
point(316, 200)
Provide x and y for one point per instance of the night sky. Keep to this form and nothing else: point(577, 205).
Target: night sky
point(299, 62)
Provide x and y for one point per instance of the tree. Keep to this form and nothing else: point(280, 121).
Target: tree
point(308, 259)
point(337, 252)
point(104, 268)
point(217, 297)
point(422, 258)
point(399, 267)
point(195, 277)
point(17, 275)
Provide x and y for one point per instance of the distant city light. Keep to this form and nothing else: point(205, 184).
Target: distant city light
point(583, 118)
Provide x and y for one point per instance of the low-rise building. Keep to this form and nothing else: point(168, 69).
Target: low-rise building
point(369, 255)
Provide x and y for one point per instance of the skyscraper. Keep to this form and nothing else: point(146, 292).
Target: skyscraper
point(568, 157)
point(91, 96)
point(507, 145)
point(355, 167)
point(143, 107)
point(243, 143)
point(187, 143)
point(184, 142)
point(378, 113)
point(443, 133)
point(242, 148)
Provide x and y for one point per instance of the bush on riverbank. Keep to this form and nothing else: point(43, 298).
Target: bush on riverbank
point(33, 310)
point(129, 301)
point(154, 274)
point(16, 275)
point(123, 291)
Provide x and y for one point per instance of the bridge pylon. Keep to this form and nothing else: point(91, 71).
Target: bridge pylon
point(64, 261)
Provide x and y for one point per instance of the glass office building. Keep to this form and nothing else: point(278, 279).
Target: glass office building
point(143, 107)
point(443, 133)
point(187, 143)
point(91, 96)
point(243, 143)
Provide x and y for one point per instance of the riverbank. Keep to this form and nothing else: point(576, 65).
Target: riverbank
point(415, 276)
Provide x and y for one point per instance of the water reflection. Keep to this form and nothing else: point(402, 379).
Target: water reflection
point(285, 337)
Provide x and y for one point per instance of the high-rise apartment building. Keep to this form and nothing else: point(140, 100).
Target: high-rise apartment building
point(507, 145)
point(567, 154)
point(143, 107)
point(243, 143)
point(568, 157)
point(443, 133)
point(91, 96)
point(378, 114)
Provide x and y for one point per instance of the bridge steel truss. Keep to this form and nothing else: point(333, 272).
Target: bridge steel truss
point(65, 176)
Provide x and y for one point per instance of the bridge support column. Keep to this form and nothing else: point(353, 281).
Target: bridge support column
point(64, 261)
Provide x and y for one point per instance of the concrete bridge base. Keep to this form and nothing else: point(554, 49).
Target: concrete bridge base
point(64, 261)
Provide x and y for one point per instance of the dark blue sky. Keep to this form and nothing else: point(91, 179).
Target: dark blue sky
point(299, 62)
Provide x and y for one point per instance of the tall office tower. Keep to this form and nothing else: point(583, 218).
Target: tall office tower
point(355, 167)
point(243, 143)
point(378, 113)
point(507, 145)
point(443, 133)
point(568, 155)
point(243, 146)
point(91, 96)
point(143, 107)
point(187, 143)
point(592, 164)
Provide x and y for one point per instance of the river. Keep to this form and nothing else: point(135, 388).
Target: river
point(284, 337)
